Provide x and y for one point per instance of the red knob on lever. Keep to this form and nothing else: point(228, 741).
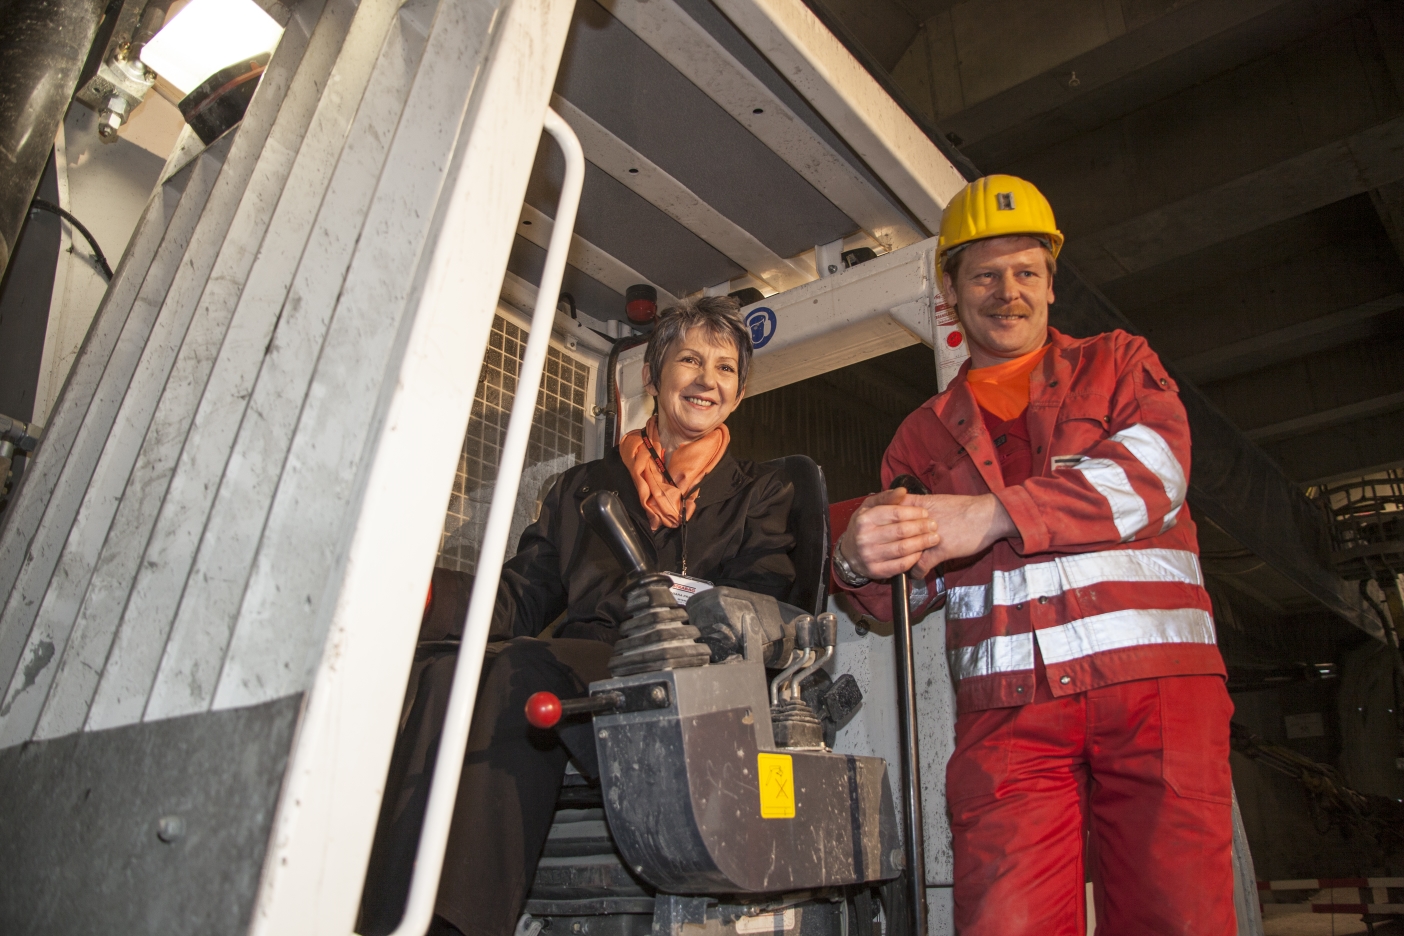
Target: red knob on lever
point(543, 710)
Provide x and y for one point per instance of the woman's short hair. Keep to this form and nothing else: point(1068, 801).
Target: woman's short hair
point(718, 316)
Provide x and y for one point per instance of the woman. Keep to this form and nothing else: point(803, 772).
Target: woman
point(701, 512)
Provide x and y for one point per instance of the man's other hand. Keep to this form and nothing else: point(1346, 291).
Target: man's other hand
point(969, 525)
point(888, 535)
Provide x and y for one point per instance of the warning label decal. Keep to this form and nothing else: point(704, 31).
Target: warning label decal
point(777, 785)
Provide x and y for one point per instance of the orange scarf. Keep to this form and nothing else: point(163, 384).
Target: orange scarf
point(1003, 389)
point(662, 490)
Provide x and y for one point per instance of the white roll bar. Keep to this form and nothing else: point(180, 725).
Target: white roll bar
point(443, 792)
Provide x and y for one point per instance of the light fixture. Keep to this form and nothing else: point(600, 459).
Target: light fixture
point(209, 35)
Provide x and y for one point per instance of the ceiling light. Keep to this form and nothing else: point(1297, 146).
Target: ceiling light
point(206, 36)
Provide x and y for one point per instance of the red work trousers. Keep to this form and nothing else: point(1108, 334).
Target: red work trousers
point(1138, 771)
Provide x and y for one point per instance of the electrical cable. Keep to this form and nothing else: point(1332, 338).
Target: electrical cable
point(50, 207)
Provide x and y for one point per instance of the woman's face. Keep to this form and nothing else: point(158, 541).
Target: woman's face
point(699, 387)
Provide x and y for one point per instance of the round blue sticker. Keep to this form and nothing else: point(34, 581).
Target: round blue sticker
point(761, 322)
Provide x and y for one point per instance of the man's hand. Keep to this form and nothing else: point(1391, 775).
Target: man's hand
point(888, 535)
point(969, 525)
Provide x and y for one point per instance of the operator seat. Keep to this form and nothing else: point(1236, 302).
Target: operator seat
point(581, 872)
point(809, 521)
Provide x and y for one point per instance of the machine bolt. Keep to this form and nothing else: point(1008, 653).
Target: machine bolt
point(113, 115)
point(170, 828)
point(898, 859)
point(658, 696)
point(576, 927)
point(604, 733)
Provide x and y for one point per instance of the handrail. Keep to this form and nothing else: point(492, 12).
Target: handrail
point(443, 792)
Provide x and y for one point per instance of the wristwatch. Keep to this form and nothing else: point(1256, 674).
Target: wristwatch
point(845, 571)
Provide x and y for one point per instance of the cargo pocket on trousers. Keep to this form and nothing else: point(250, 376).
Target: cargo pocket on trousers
point(1194, 732)
point(980, 763)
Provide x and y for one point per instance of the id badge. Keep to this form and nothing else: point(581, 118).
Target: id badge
point(684, 588)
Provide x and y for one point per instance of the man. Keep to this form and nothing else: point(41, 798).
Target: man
point(1092, 709)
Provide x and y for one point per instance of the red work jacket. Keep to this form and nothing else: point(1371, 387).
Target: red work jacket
point(1104, 576)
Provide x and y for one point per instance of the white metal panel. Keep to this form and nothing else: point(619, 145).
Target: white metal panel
point(100, 463)
point(238, 443)
point(278, 635)
point(848, 316)
point(843, 92)
point(649, 181)
point(331, 797)
point(131, 554)
point(694, 52)
point(86, 380)
point(190, 664)
point(127, 678)
point(73, 502)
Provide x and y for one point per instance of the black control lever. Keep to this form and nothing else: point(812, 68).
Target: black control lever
point(656, 635)
point(915, 839)
point(605, 514)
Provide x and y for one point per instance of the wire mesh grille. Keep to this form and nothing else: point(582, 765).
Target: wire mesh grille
point(557, 442)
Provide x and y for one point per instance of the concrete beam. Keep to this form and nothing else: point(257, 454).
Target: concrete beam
point(1389, 204)
point(884, 28)
point(1342, 452)
point(1326, 418)
point(1322, 389)
point(1283, 344)
point(1188, 44)
point(1329, 173)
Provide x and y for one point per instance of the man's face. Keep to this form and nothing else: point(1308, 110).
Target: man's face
point(1002, 293)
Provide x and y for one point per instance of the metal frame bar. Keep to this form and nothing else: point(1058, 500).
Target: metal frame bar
point(453, 743)
point(684, 44)
point(653, 184)
point(315, 865)
point(843, 92)
point(587, 258)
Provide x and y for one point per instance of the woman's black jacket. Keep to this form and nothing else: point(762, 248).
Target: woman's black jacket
point(738, 536)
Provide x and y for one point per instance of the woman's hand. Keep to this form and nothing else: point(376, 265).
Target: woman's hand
point(888, 535)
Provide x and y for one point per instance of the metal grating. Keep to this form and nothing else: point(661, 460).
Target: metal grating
point(557, 441)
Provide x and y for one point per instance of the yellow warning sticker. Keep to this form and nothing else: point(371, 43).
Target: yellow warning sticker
point(777, 785)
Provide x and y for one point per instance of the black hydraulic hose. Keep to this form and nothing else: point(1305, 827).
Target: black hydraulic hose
point(48, 206)
point(915, 839)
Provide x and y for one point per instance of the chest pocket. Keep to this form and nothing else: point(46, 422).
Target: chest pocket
point(1082, 422)
point(955, 472)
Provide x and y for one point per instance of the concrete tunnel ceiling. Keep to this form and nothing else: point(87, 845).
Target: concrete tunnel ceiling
point(1227, 173)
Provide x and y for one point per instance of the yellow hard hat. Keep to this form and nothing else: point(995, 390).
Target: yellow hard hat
point(996, 206)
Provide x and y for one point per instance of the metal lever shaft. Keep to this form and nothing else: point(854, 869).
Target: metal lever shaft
point(915, 838)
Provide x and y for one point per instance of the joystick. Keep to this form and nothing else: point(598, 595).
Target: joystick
point(657, 635)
